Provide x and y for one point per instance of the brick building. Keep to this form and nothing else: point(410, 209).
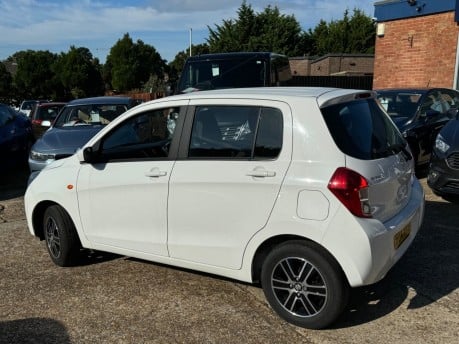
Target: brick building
point(416, 43)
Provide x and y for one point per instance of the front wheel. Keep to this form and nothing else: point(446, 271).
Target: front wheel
point(304, 284)
point(61, 237)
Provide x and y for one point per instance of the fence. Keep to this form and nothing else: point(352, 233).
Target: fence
point(355, 82)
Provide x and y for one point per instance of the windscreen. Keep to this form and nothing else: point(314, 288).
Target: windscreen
point(361, 129)
point(89, 114)
point(223, 73)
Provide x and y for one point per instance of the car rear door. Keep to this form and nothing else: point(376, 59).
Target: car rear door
point(227, 178)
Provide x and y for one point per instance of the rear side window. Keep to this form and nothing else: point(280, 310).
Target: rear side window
point(362, 130)
point(236, 132)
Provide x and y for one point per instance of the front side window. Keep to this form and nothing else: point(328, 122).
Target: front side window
point(362, 130)
point(144, 136)
point(236, 132)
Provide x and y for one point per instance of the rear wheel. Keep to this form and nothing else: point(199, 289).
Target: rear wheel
point(304, 284)
point(60, 235)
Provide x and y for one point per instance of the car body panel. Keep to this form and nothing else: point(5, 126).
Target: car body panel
point(443, 177)
point(15, 138)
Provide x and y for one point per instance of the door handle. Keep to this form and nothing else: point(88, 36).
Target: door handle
point(155, 173)
point(261, 173)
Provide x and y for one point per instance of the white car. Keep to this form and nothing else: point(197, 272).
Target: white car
point(309, 191)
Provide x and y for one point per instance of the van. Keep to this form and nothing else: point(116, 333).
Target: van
point(234, 70)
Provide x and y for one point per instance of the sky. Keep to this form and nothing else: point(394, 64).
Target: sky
point(55, 25)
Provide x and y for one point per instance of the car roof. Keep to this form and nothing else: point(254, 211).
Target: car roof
point(101, 100)
point(232, 55)
point(321, 94)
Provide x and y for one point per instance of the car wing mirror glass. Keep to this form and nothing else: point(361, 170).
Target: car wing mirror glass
point(87, 155)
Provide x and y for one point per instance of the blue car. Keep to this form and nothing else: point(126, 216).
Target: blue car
point(15, 138)
point(77, 122)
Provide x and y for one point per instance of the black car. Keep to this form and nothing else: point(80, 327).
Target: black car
point(15, 138)
point(420, 113)
point(443, 177)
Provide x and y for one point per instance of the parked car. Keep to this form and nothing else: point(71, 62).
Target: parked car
point(443, 177)
point(420, 113)
point(27, 106)
point(78, 121)
point(43, 115)
point(307, 190)
point(15, 138)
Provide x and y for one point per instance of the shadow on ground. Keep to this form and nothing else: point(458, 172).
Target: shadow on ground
point(33, 330)
point(13, 183)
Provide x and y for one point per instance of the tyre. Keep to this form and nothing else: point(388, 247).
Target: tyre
point(61, 237)
point(304, 284)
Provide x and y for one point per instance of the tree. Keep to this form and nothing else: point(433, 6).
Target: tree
point(130, 65)
point(5, 84)
point(35, 78)
point(349, 35)
point(79, 73)
point(266, 31)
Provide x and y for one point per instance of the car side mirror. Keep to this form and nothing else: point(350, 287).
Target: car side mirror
point(88, 155)
point(46, 124)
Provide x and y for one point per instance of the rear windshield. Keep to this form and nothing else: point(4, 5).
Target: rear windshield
point(361, 129)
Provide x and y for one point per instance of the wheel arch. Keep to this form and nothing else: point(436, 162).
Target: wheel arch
point(265, 247)
point(37, 217)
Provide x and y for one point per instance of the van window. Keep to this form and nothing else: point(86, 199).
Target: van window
point(362, 129)
point(236, 132)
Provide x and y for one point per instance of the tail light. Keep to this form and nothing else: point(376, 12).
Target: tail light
point(37, 121)
point(352, 190)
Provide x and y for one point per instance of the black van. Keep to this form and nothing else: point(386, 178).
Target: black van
point(234, 70)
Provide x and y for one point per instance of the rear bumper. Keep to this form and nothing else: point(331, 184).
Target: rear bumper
point(366, 248)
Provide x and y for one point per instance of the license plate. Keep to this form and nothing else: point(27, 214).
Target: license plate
point(401, 236)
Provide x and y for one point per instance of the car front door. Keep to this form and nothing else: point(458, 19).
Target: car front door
point(227, 179)
point(123, 195)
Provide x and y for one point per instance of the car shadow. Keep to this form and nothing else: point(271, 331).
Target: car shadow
point(91, 257)
point(429, 271)
point(13, 183)
point(33, 330)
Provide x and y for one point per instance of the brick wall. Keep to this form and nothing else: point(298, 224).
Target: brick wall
point(417, 52)
point(300, 66)
point(350, 64)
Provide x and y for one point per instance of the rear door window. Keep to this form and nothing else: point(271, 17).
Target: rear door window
point(236, 132)
point(361, 129)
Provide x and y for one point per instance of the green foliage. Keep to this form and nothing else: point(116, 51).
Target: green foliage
point(266, 31)
point(348, 35)
point(79, 73)
point(35, 78)
point(129, 65)
point(5, 84)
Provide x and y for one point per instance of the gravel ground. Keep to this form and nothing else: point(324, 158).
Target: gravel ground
point(113, 299)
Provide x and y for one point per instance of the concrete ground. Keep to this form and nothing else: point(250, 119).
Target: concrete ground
point(113, 299)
